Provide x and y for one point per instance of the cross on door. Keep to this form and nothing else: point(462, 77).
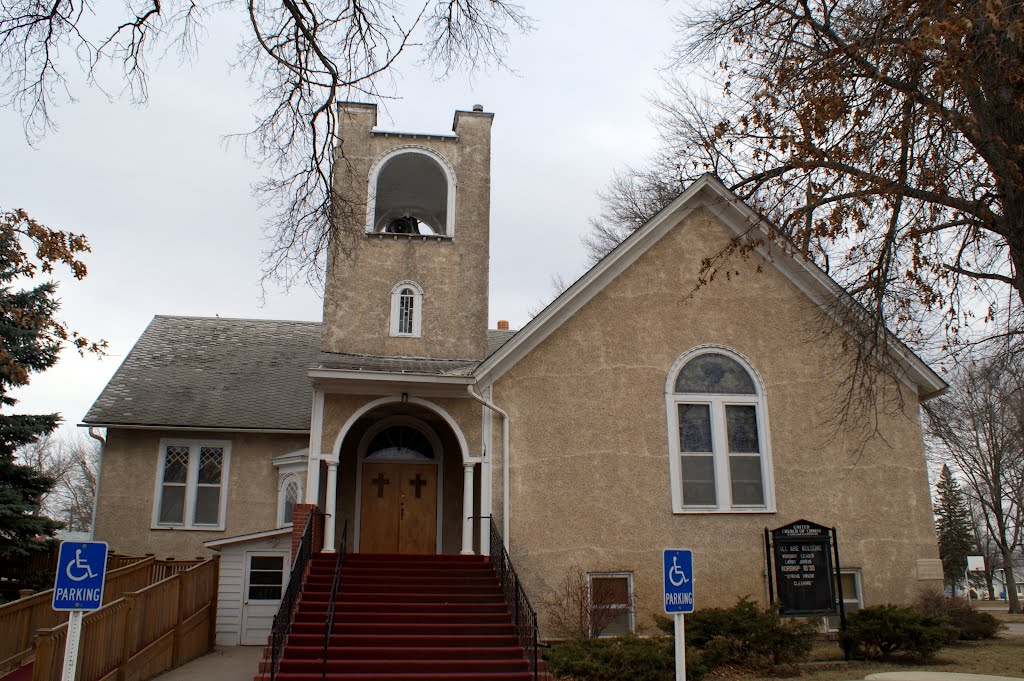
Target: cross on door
point(380, 481)
point(418, 483)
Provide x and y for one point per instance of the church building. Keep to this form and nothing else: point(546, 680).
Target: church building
point(637, 412)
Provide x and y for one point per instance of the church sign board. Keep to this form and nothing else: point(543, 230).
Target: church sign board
point(805, 575)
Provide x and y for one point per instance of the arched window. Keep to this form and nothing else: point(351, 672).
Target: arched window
point(289, 495)
point(717, 435)
point(406, 309)
point(412, 191)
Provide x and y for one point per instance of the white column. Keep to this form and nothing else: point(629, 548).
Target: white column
point(331, 506)
point(316, 429)
point(467, 508)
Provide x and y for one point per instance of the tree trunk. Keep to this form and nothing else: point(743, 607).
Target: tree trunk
point(1009, 582)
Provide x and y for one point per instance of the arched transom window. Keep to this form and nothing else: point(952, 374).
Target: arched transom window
point(400, 442)
point(406, 309)
point(717, 435)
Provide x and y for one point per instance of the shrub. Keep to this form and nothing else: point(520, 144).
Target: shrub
point(886, 630)
point(746, 635)
point(968, 624)
point(576, 608)
point(624, 658)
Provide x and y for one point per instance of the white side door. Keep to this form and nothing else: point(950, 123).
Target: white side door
point(266, 577)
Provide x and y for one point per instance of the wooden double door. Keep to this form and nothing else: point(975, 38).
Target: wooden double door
point(398, 508)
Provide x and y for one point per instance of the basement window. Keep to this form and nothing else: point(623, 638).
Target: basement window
point(611, 603)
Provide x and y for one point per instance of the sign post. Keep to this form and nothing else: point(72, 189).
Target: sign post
point(678, 565)
point(81, 570)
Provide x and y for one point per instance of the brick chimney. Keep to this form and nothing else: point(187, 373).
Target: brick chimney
point(502, 325)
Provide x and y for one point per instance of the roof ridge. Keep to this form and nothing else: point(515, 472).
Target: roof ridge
point(236, 319)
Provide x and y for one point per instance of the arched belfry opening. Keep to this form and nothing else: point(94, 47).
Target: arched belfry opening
point(413, 193)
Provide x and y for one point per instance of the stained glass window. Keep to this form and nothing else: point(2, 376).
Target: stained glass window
point(721, 463)
point(714, 373)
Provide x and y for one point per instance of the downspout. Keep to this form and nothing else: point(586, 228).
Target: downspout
point(504, 459)
point(99, 476)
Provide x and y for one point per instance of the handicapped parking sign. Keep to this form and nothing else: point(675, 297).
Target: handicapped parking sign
point(678, 565)
point(81, 567)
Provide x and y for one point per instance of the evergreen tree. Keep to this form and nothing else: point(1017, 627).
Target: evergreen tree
point(31, 338)
point(953, 526)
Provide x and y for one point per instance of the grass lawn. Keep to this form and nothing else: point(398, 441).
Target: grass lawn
point(999, 657)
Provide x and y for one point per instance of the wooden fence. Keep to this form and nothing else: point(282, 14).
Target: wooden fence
point(20, 619)
point(142, 633)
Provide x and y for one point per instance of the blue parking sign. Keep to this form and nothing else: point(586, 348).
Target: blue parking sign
point(81, 568)
point(678, 580)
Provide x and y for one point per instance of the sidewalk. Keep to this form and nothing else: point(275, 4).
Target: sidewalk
point(228, 663)
point(935, 676)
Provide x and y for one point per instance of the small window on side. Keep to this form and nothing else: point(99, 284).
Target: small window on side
point(290, 494)
point(407, 310)
point(611, 603)
point(853, 598)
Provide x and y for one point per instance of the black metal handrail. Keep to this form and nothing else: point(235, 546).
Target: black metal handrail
point(523, 615)
point(339, 562)
point(283, 619)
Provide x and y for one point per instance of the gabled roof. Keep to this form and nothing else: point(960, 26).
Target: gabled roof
point(708, 193)
point(211, 373)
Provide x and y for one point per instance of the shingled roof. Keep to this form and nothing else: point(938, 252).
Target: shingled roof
point(212, 372)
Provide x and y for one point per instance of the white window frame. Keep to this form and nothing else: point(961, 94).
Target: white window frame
point(417, 309)
point(719, 437)
point(378, 166)
point(628, 607)
point(191, 485)
point(281, 497)
point(857, 599)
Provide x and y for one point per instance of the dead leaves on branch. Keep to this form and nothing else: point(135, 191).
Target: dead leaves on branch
point(32, 248)
point(883, 139)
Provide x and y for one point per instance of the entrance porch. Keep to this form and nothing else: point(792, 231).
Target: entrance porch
point(401, 481)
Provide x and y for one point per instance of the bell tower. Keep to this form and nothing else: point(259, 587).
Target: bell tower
point(407, 270)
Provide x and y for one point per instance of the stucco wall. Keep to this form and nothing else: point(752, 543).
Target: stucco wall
point(589, 441)
point(453, 273)
point(128, 480)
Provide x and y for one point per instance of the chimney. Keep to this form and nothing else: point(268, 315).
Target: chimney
point(502, 325)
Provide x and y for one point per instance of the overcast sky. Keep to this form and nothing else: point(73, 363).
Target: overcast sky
point(175, 229)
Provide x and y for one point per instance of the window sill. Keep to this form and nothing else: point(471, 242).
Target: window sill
point(189, 528)
point(764, 510)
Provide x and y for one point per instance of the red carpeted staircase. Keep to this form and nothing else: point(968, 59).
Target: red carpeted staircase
point(405, 618)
